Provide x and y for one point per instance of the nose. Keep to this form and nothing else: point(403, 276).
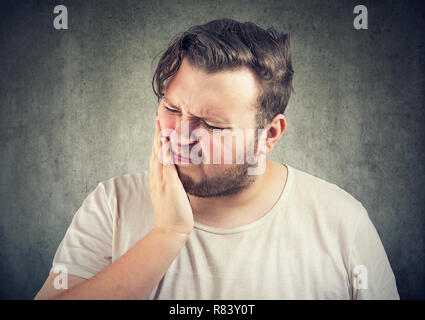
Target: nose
point(183, 132)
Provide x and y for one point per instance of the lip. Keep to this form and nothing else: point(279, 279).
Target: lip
point(178, 158)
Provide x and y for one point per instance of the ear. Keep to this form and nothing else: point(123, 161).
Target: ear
point(272, 133)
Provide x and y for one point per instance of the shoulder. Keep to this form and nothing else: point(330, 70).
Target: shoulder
point(126, 182)
point(330, 214)
point(128, 190)
point(325, 198)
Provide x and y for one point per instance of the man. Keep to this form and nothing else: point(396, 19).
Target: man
point(214, 229)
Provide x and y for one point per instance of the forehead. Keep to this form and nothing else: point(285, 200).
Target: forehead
point(224, 95)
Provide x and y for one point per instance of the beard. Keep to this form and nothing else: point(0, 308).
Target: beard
point(231, 181)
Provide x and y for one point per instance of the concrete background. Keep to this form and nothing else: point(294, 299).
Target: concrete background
point(77, 108)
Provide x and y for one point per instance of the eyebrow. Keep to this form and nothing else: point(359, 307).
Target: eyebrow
point(217, 120)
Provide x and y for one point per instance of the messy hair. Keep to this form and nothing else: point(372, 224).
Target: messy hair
point(226, 44)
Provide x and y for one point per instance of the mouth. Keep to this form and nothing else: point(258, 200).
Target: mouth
point(179, 159)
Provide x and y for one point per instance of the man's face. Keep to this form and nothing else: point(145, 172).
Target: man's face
point(196, 106)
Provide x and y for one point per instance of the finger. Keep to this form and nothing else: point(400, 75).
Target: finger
point(155, 162)
point(153, 148)
point(165, 147)
point(162, 152)
point(169, 169)
point(155, 145)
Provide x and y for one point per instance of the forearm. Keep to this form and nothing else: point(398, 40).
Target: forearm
point(136, 273)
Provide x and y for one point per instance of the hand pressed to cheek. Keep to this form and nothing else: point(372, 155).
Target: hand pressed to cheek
point(166, 120)
point(164, 152)
point(169, 199)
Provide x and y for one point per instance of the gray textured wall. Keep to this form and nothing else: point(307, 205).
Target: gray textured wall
point(77, 108)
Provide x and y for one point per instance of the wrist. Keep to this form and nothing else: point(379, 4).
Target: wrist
point(171, 232)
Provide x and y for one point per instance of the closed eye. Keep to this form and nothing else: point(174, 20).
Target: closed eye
point(212, 127)
point(209, 127)
point(171, 110)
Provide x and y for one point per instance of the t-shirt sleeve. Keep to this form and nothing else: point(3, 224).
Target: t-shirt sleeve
point(371, 275)
point(86, 248)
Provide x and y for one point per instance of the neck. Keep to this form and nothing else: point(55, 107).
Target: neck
point(244, 207)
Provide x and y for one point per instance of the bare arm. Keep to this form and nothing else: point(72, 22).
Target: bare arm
point(133, 276)
point(48, 291)
point(136, 273)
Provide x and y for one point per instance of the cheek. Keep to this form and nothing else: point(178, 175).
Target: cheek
point(221, 149)
point(205, 143)
point(166, 120)
point(234, 149)
point(228, 145)
point(216, 143)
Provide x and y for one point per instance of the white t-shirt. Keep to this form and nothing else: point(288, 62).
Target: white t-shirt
point(309, 245)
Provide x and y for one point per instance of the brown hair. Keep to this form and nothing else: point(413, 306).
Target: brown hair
point(226, 44)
